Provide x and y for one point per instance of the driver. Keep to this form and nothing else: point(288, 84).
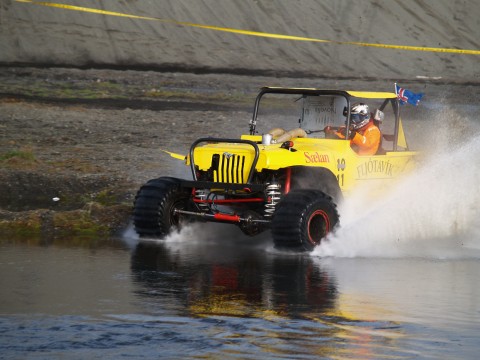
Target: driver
point(364, 135)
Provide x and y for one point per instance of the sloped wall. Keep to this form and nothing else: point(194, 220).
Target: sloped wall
point(42, 35)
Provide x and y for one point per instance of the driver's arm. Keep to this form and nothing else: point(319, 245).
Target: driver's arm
point(369, 142)
point(333, 133)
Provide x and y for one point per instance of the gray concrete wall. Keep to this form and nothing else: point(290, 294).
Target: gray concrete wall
point(35, 34)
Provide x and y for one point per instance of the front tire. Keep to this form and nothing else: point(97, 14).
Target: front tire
point(155, 202)
point(302, 220)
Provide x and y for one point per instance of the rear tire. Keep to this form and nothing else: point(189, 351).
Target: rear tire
point(155, 202)
point(302, 219)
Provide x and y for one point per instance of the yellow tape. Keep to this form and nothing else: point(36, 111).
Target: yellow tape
point(254, 33)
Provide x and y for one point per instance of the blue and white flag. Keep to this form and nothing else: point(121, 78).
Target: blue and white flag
point(405, 96)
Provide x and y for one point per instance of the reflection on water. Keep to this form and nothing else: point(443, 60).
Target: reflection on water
point(227, 297)
point(255, 285)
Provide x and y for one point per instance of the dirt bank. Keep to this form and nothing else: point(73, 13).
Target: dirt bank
point(77, 144)
point(162, 37)
point(73, 141)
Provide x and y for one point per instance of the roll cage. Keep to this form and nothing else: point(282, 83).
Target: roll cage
point(398, 137)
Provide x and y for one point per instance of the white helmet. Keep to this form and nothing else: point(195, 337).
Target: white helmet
point(359, 115)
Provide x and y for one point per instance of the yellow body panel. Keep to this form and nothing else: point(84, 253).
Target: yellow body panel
point(349, 168)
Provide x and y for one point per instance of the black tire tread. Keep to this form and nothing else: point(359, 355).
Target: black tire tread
point(287, 223)
point(150, 205)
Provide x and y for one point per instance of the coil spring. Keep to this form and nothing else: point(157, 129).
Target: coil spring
point(273, 197)
point(202, 195)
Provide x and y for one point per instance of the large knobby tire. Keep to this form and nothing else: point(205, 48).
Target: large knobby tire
point(316, 178)
point(155, 202)
point(302, 219)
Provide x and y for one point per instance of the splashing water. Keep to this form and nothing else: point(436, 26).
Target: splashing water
point(434, 213)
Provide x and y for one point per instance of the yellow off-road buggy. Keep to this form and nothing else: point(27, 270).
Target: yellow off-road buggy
point(285, 175)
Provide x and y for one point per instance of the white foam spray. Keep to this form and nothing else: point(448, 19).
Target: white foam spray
point(188, 233)
point(434, 213)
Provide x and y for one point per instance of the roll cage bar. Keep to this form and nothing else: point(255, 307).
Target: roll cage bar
point(389, 98)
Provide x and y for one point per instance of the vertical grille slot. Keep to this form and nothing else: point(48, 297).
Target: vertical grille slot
point(229, 169)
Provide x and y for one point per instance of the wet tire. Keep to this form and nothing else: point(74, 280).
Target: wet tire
point(155, 202)
point(302, 220)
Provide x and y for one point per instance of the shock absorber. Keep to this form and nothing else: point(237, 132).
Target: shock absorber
point(273, 197)
point(201, 195)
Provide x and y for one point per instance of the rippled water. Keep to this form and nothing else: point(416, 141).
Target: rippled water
point(197, 296)
point(398, 280)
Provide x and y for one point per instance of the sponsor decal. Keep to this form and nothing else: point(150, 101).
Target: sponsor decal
point(315, 157)
point(378, 167)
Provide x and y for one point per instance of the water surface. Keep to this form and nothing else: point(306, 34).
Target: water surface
point(195, 296)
